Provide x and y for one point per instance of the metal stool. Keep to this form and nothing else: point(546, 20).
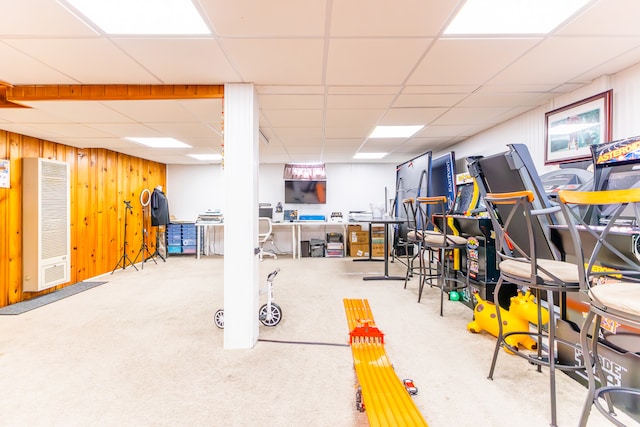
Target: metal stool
point(614, 295)
point(439, 240)
point(519, 265)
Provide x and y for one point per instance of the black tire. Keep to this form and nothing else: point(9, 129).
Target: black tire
point(276, 315)
point(218, 319)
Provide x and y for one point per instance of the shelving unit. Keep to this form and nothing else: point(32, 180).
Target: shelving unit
point(181, 238)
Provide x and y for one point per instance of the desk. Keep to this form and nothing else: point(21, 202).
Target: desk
point(295, 228)
point(386, 222)
point(295, 236)
point(202, 228)
point(302, 224)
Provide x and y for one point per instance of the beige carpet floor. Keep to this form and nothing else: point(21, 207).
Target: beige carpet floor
point(142, 350)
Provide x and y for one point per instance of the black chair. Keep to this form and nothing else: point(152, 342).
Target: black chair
point(520, 265)
point(612, 292)
point(441, 242)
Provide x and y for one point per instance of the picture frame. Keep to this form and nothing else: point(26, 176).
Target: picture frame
point(572, 129)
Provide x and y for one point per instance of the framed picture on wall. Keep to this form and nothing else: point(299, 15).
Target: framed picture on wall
point(572, 129)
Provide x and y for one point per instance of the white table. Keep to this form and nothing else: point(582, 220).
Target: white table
point(295, 227)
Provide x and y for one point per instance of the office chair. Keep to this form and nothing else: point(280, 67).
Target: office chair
point(610, 285)
point(512, 216)
point(265, 234)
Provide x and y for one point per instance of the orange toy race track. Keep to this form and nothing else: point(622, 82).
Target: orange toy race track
point(381, 392)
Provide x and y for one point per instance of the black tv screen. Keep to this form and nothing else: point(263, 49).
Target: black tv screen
point(305, 192)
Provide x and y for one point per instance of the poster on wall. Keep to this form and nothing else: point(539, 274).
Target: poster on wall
point(5, 177)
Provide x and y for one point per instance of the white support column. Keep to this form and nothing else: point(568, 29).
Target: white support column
point(240, 216)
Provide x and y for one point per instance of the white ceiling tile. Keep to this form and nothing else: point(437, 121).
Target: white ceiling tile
point(428, 100)
point(29, 115)
point(470, 116)
point(277, 61)
point(289, 90)
point(359, 101)
point(108, 64)
point(301, 118)
point(295, 133)
point(440, 89)
point(492, 99)
point(70, 130)
point(363, 90)
point(345, 118)
point(179, 130)
point(607, 18)
point(597, 51)
point(288, 102)
point(386, 18)
point(372, 61)
point(41, 18)
point(465, 61)
point(176, 61)
point(80, 111)
point(153, 111)
point(275, 18)
point(19, 68)
point(411, 116)
point(123, 130)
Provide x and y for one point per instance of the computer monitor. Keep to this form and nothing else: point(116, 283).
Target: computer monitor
point(265, 212)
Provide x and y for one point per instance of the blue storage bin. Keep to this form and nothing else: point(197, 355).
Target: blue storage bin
point(174, 249)
point(189, 242)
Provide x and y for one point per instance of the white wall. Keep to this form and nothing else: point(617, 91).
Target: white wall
point(528, 128)
point(191, 190)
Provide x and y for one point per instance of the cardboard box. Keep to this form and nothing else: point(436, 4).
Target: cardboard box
point(359, 250)
point(359, 237)
point(353, 227)
point(377, 250)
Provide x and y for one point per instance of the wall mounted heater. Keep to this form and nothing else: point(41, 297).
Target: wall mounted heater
point(46, 224)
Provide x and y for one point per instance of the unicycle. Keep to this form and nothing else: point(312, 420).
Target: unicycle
point(270, 314)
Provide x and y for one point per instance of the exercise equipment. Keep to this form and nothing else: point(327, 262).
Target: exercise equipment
point(270, 314)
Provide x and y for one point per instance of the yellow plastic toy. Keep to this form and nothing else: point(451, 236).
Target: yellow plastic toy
point(522, 310)
point(524, 306)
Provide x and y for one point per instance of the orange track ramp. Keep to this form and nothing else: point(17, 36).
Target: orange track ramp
point(385, 398)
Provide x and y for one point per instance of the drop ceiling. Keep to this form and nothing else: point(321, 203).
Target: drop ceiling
point(326, 73)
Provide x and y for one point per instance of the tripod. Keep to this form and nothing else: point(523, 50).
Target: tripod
point(144, 201)
point(156, 252)
point(125, 257)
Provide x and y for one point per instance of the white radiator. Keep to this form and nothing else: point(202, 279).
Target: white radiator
point(46, 224)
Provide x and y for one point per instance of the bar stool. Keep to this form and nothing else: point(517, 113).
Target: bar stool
point(519, 265)
point(439, 240)
point(614, 295)
point(414, 238)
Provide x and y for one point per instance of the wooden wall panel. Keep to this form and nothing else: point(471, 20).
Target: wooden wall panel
point(100, 181)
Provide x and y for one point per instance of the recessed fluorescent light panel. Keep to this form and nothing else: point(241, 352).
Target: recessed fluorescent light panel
point(206, 156)
point(148, 17)
point(512, 16)
point(159, 142)
point(395, 131)
point(369, 156)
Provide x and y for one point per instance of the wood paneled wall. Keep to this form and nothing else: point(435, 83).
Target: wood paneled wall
point(101, 180)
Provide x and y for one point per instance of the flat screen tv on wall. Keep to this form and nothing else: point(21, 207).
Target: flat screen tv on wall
point(305, 192)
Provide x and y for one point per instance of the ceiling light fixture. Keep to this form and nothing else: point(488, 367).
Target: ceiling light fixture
point(369, 156)
point(206, 156)
point(395, 131)
point(148, 17)
point(159, 142)
point(512, 16)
